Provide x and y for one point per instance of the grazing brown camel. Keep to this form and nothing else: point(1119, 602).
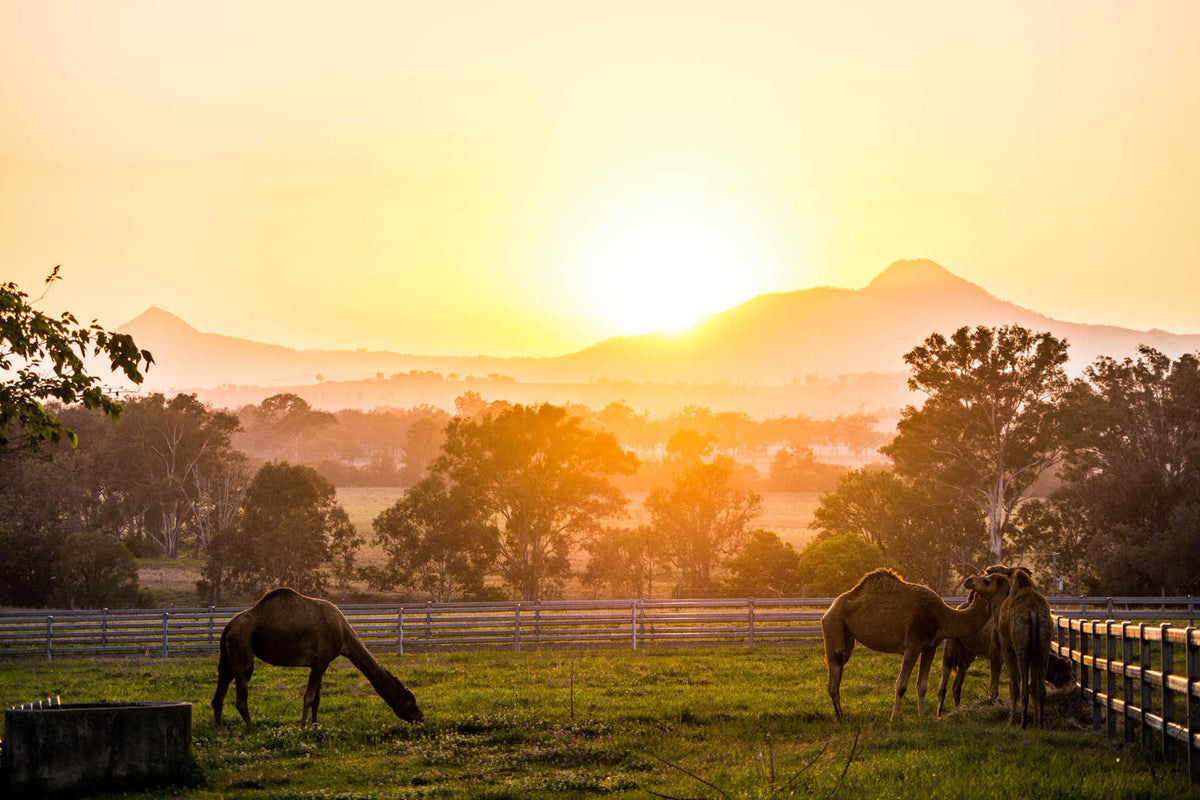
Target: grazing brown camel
point(1023, 630)
point(288, 629)
point(958, 653)
point(888, 614)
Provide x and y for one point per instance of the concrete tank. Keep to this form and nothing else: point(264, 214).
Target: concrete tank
point(85, 746)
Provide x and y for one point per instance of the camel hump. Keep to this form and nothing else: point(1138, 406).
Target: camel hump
point(878, 578)
point(281, 591)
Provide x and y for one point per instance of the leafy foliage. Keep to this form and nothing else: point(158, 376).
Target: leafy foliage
point(766, 566)
point(543, 477)
point(626, 559)
point(990, 425)
point(94, 571)
point(832, 564)
point(435, 541)
point(289, 515)
point(931, 533)
point(42, 358)
point(702, 520)
point(1132, 471)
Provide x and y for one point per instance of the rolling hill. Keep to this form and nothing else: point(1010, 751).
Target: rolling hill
point(773, 340)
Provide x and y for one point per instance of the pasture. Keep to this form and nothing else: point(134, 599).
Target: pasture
point(745, 723)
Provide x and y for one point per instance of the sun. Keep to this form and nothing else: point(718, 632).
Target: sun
point(661, 261)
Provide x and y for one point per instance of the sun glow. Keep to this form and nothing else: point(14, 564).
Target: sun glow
point(664, 260)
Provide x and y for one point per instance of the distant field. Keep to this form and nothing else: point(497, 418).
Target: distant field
point(752, 722)
point(173, 582)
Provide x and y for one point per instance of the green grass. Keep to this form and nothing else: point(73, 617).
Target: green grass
point(612, 723)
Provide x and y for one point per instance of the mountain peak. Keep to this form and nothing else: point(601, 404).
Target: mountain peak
point(919, 273)
point(156, 319)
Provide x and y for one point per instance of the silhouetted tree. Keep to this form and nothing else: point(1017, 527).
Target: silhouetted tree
point(436, 541)
point(703, 520)
point(628, 560)
point(42, 358)
point(766, 566)
point(1132, 472)
point(830, 565)
point(542, 477)
point(94, 571)
point(991, 424)
point(288, 516)
point(929, 532)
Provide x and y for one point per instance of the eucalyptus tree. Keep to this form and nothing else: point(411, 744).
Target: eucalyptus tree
point(539, 478)
point(991, 423)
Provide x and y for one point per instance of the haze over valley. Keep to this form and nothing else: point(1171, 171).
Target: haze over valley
point(819, 352)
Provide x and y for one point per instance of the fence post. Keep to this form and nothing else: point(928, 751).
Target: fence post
point(212, 623)
point(633, 624)
point(104, 626)
point(400, 631)
point(1168, 695)
point(428, 618)
point(750, 618)
point(1193, 702)
point(1126, 683)
point(49, 635)
point(517, 628)
point(164, 634)
point(1095, 647)
point(1144, 660)
point(1110, 652)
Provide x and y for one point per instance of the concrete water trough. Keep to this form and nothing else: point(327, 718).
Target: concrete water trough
point(60, 748)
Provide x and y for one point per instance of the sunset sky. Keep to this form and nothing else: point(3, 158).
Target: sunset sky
point(527, 178)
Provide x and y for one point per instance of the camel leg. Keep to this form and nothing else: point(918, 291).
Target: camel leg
point(961, 677)
point(242, 697)
point(906, 668)
point(312, 693)
point(1014, 683)
point(923, 678)
point(994, 684)
point(835, 682)
point(835, 660)
point(218, 700)
point(947, 668)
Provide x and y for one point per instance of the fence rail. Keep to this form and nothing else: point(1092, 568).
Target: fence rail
point(1136, 669)
point(1138, 680)
point(526, 625)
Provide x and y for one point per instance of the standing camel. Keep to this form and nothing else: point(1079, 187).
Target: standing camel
point(958, 653)
point(1023, 630)
point(888, 614)
point(288, 629)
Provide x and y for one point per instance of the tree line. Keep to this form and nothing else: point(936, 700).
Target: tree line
point(1093, 480)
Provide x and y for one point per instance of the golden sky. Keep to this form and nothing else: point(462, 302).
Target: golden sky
point(525, 178)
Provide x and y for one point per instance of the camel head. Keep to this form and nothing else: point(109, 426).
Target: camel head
point(402, 701)
point(990, 586)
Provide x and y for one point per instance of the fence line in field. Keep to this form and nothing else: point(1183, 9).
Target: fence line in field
point(412, 627)
point(1154, 675)
point(1155, 680)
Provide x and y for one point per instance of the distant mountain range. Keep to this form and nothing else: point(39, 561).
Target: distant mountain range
point(771, 340)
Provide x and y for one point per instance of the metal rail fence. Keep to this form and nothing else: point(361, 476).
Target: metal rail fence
point(1138, 680)
point(517, 625)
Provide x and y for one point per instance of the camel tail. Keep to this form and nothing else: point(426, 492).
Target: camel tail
point(834, 632)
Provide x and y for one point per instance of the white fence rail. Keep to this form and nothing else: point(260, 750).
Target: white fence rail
point(515, 626)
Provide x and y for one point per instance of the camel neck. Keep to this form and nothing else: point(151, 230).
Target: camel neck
point(354, 649)
point(963, 622)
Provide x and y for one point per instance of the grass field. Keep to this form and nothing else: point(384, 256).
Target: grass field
point(752, 723)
